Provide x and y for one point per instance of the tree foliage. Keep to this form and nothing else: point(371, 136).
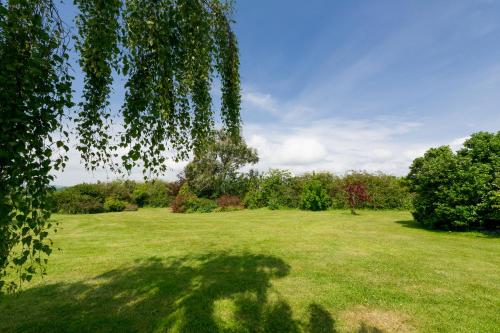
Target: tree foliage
point(458, 191)
point(35, 90)
point(169, 53)
point(214, 172)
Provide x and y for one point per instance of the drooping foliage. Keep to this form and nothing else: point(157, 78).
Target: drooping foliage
point(98, 43)
point(169, 52)
point(459, 191)
point(35, 90)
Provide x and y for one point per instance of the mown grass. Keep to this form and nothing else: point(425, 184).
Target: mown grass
point(260, 271)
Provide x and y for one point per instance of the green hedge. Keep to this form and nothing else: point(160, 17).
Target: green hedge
point(275, 189)
point(113, 196)
point(279, 189)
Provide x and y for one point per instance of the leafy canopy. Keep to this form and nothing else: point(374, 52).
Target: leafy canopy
point(459, 191)
point(169, 52)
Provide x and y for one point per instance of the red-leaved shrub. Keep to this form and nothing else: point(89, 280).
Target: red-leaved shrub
point(357, 195)
point(179, 205)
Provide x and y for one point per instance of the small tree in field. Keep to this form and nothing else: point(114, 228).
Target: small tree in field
point(215, 170)
point(356, 195)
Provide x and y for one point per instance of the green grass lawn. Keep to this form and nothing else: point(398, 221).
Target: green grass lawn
point(260, 271)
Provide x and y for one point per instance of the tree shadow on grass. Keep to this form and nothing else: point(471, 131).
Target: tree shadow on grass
point(366, 328)
point(217, 292)
point(412, 224)
point(415, 225)
point(320, 320)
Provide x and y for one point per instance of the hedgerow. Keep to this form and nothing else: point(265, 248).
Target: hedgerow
point(275, 189)
point(99, 197)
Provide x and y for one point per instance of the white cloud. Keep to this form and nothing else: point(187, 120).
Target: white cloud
point(261, 101)
point(289, 150)
point(458, 143)
point(336, 145)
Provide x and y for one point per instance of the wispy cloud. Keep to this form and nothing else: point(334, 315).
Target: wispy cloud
point(340, 145)
point(335, 145)
point(260, 101)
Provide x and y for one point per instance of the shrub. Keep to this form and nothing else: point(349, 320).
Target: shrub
point(96, 191)
point(119, 189)
point(274, 203)
point(229, 201)
point(228, 209)
point(186, 202)
point(156, 193)
point(385, 191)
point(314, 196)
point(200, 205)
point(275, 189)
point(140, 196)
point(159, 194)
point(254, 199)
point(280, 189)
point(70, 201)
point(114, 205)
point(458, 191)
point(179, 205)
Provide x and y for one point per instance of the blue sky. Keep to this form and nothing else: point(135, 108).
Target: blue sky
point(342, 85)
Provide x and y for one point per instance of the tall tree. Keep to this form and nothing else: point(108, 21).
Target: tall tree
point(169, 51)
point(214, 170)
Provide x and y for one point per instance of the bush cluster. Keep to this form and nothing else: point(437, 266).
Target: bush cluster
point(185, 203)
point(71, 201)
point(319, 191)
point(275, 189)
point(114, 205)
point(314, 196)
point(459, 191)
point(114, 196)
point(188, 202)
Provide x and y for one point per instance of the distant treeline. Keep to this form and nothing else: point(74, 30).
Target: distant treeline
point(275, 189)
